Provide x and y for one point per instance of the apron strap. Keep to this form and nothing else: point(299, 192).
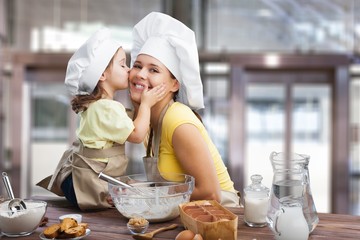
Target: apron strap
point(149, 145)
point(154, 144)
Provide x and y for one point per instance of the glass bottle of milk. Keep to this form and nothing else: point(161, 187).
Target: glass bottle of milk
point(256, 201)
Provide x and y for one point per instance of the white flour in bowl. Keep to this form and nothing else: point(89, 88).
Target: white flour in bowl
point(23, 221)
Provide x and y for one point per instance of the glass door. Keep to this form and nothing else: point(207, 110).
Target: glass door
point(284, 113)
point(311, 135)
point(265, 128)
point(355, 142)
point(49, 131)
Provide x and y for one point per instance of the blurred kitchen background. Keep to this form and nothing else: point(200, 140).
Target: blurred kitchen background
point(277, 75)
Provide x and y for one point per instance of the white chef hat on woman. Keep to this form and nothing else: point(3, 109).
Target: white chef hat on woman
point(174, 45)
point(86, 65)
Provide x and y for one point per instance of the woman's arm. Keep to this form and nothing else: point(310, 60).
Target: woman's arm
point(194, 156)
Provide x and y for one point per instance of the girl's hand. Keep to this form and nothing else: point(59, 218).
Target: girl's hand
point(152, 96)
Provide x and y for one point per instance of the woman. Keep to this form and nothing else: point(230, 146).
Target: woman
point(165, 52)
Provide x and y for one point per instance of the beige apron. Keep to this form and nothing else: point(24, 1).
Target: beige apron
point(228, 199)
point(91, 192)
point(152, 154)
point(150, 163)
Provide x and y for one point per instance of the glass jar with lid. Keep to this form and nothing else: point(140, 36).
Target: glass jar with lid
point(256, 202)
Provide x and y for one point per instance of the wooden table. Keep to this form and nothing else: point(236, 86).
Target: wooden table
point(110, 224)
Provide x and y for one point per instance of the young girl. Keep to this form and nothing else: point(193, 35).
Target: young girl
point(94, 73)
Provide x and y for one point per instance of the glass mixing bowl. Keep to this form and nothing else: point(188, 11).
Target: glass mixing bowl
point(21, 222)
point(155, 201)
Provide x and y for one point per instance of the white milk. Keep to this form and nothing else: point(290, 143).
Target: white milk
point(256, 210)
point(291, 224)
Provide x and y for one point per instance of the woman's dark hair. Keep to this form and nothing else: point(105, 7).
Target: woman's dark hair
point(175, 97)
point(80, 103)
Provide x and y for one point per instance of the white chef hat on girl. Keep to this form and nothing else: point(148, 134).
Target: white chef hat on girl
point(86, 65)
point(174, 45)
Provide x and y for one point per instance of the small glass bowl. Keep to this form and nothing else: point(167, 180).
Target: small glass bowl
point(138, 229)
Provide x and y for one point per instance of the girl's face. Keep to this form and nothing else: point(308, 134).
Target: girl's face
point(150, 72)
point(117, 73)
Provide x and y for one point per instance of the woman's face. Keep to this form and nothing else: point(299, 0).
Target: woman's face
point(150, 72)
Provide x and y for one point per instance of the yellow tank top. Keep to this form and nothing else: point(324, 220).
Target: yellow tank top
point(176, 115)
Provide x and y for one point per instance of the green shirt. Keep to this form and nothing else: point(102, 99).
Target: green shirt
point(104, 122)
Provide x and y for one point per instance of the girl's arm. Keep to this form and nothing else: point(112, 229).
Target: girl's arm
point(195, 158)
point(142, 120)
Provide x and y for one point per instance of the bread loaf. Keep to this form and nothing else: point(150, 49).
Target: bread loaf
point(68, 228)
point(84, 225)
point(68, 223)
point(75, 232)
point(53, 231)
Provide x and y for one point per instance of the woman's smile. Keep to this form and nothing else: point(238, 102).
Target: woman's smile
point(139, 86)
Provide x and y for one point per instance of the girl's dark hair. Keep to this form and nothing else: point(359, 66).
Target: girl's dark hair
point(175, 97)
point(80, 103)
